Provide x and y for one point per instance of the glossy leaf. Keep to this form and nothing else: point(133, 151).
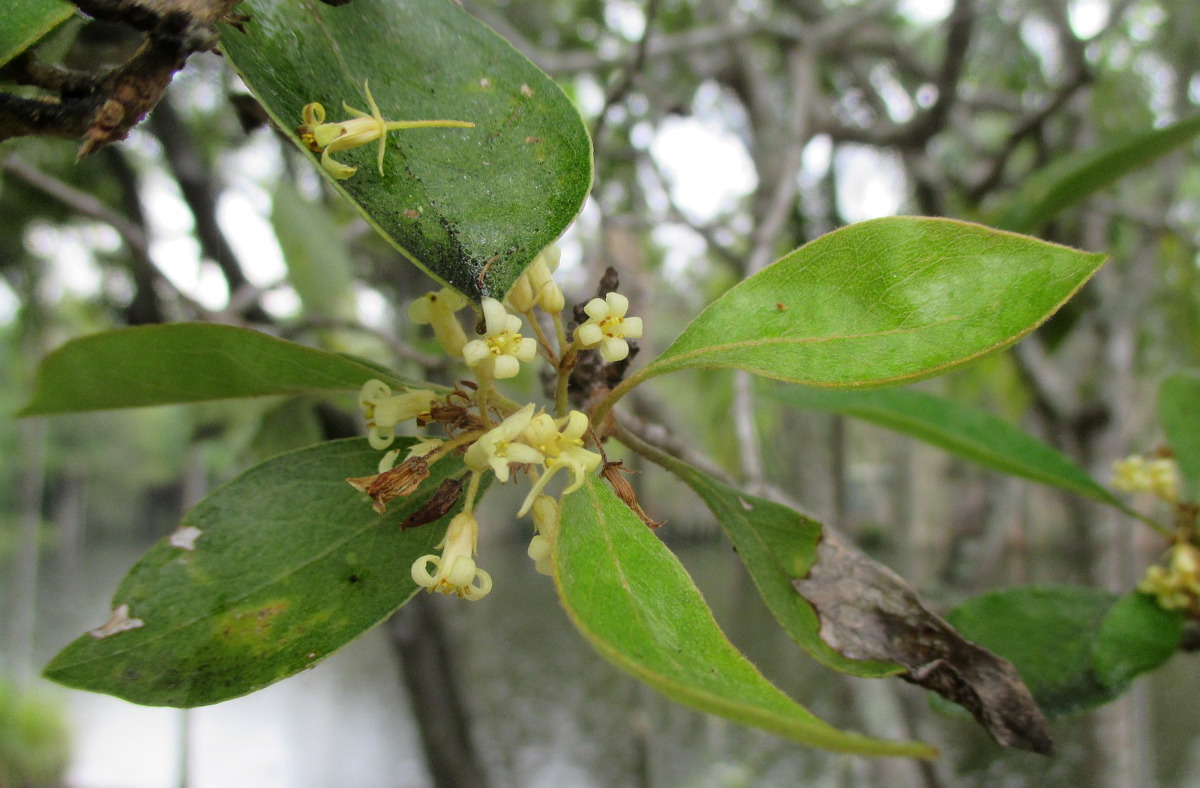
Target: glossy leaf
point(473, 206)
point(1179, 415)
point(778, 545)
point(1135, 637)
point(26, 21)
point(882, 302)
point(968, 432)
point(629, 595)
point(1051, 635)
point(184, 362)
point(317, 257)
point(1071, 179)
point(290, 564)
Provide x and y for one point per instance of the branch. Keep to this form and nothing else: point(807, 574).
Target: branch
point(926, 124)
point(101, 108)
point(84, 204)
point(619, 88)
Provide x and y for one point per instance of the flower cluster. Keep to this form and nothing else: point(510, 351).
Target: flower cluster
point(492, 434)
point(365, 127)
point(1159, 476)
point(1177, 585)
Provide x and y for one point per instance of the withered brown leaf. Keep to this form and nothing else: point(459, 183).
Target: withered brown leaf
point(867, 611)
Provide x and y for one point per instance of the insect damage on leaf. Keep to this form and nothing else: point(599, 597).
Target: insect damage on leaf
point(869, 612)
point(119, 622)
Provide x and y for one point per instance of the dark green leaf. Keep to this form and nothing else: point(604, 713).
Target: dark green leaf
point(631, 598)
point(26, 21)
point(470, 206)
point(1049, 635)
point(289, 565)
point(1179, 415)
point(778, 545)
point(1135, 637)
point(970, 433)
point(184, 362)
point(1069, 180)
point(882, 302)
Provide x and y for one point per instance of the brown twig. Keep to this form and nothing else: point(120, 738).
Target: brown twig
point(101, 108)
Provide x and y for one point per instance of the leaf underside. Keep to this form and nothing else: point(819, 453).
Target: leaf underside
point(185, 362)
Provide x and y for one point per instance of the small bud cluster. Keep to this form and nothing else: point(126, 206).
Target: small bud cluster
point(526, 439)
point(1159, 476)
point(1177, 585)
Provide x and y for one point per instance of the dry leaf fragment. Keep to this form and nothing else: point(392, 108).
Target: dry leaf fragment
point(869, 612)
point(119, 622)
point(438, 504)
point(389, 485)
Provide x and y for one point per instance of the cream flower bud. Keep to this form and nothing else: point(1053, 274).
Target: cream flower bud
point(383, 410)
point(608, 327)
point(455, 571)
point(541, 278)
point(522, 298)
point(498, 354)
point(540, 550)
point(545, 516)
point(1163, 479)
point(437, 309)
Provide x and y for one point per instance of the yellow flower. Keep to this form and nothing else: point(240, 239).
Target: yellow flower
point(1130, 474)
point(1159, 476)
point(1177, 586)
point(383, 410)
point(1163, 476)
point(499, 353)
point(437, 309)
point(608, 327)
point(562, 449)
point(328, 138)
point(454, 571)
point(497, 448)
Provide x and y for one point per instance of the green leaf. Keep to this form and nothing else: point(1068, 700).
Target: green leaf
point(289, 425)
point(27, 21)
point(184, 362)
point(318, 263)
point(629, 596)
point(472, 207)
point(290, 564)
point(1069, 180)
point(970, 433)
point(882, 302)
point(1135, 637)
point(1049, 634)
point(1179, 415)
point(778, 545)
